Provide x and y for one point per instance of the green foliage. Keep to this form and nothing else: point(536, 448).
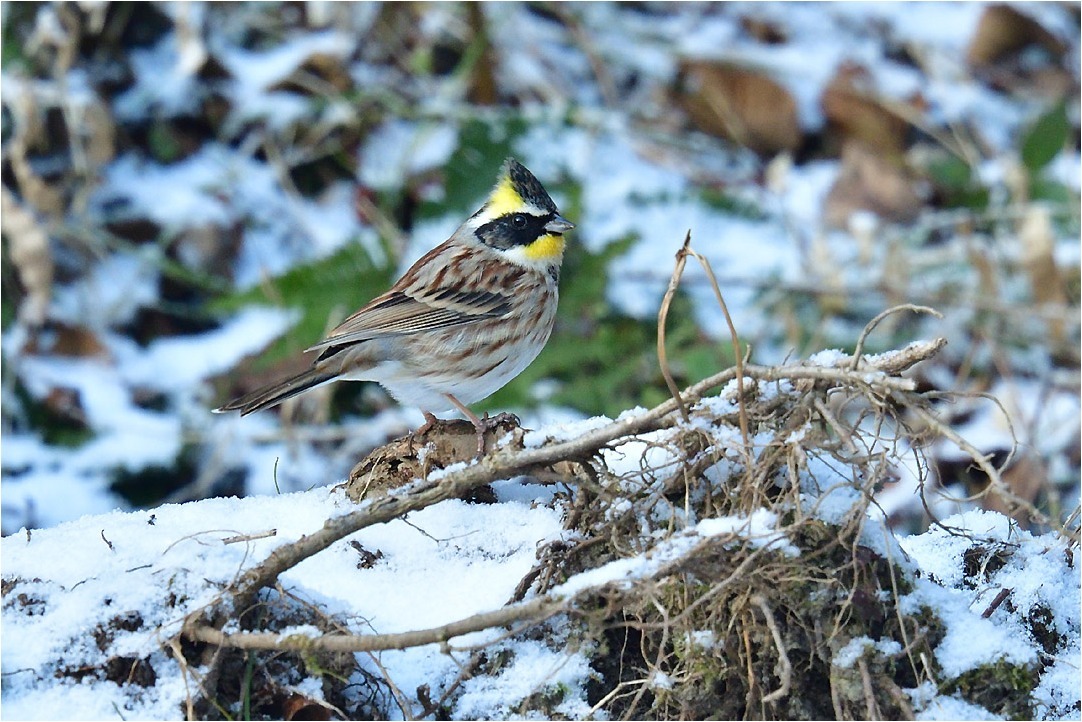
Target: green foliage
point(1045, 138)
point(604, 361)
point(10, 289)
point(471, 170)
point(324, 291)
point(956, 183)
point(734, 206)
point(163, 145)
point(17, 26)
point(55, 429)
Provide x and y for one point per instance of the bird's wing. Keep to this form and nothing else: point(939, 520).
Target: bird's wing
point(398, 313)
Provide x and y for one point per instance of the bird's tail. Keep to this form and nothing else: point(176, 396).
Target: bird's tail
point(276, 393)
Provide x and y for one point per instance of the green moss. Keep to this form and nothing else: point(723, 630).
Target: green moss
point(1001, 687)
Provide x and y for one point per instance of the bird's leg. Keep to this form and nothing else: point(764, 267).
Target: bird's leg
point(477, 423)
point(430, 419)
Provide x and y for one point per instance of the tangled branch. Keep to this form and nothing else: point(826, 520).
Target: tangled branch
point(878, 375)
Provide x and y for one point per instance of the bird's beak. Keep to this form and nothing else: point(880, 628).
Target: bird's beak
point(559, 225)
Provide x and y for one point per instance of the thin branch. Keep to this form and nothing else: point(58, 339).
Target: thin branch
point(738, 356)
point(506, 462)
point(859, 350)
point(996, 485)
point(535, 610)
point(786, 672)
point(663, 316)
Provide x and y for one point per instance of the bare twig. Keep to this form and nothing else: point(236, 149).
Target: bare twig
point(859, 350)
point(504, 463)
point(535, 610)
point(249, 537)
point(786, 672)
point(662, 317)
point(738, 355)
point(871, 708)
point(996, 485)
point(1000, 598)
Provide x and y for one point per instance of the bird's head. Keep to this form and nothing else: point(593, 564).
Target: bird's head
point(520, 220)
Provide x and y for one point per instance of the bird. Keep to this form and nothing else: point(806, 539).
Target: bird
point(465, 319)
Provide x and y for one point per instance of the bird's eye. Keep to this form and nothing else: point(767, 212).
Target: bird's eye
point(518, 221)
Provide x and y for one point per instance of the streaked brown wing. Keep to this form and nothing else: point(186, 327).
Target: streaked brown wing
point(397, 313)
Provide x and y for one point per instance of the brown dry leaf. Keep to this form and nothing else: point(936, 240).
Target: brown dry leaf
point(208, 248)
point(29, 251)
point(854, 112)
point(1038, 241)
point(299, 707)
point(1003, 31)
point(330, 70)
point(740, 104)
point(870, 182)
point(763, 30)
point(1025, 478)
point(483, 89)
point(65, 340)
point(44, 198)
point(66, 403)
point(401, 461)
point(100, 129)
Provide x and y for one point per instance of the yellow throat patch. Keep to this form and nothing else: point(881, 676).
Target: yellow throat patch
point(545, 248)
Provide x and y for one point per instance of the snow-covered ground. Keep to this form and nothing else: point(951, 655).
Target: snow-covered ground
point(132, 578)
point(628, 179)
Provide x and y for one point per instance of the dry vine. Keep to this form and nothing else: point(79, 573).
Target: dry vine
point(775, 439)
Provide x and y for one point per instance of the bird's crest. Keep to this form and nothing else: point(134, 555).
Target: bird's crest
point(518, 190)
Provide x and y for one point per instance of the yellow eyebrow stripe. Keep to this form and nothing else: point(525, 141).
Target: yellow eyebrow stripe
point(504, 200)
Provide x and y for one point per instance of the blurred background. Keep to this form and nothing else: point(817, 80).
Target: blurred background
point(194, 193)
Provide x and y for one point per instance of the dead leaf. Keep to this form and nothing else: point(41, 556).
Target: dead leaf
point(763, 30)
point(740, 104)
point(46, 199)
point(1003, 31)
point(483, 89)
point(416, 455)
point(299, 707)
point(998, 54)
point(330, 70)
point(30, 253)
point(100, 131)
point(1038, 240)
point(870, 182)
point(63, 340)
point(66, 403)
point(1026, 477)
point(854, 111)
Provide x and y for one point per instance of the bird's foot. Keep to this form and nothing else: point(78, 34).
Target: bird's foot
point(430, 421)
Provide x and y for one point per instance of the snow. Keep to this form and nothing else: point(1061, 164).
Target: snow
point(223, 188)
point(110, 294)
point(400, 148)
point(473, 554)
point(51, 484)
point(1037, 574)
point(855, 648)
point(534, 669)
point(758, 530)
point(459, 559)
point(945, 707)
